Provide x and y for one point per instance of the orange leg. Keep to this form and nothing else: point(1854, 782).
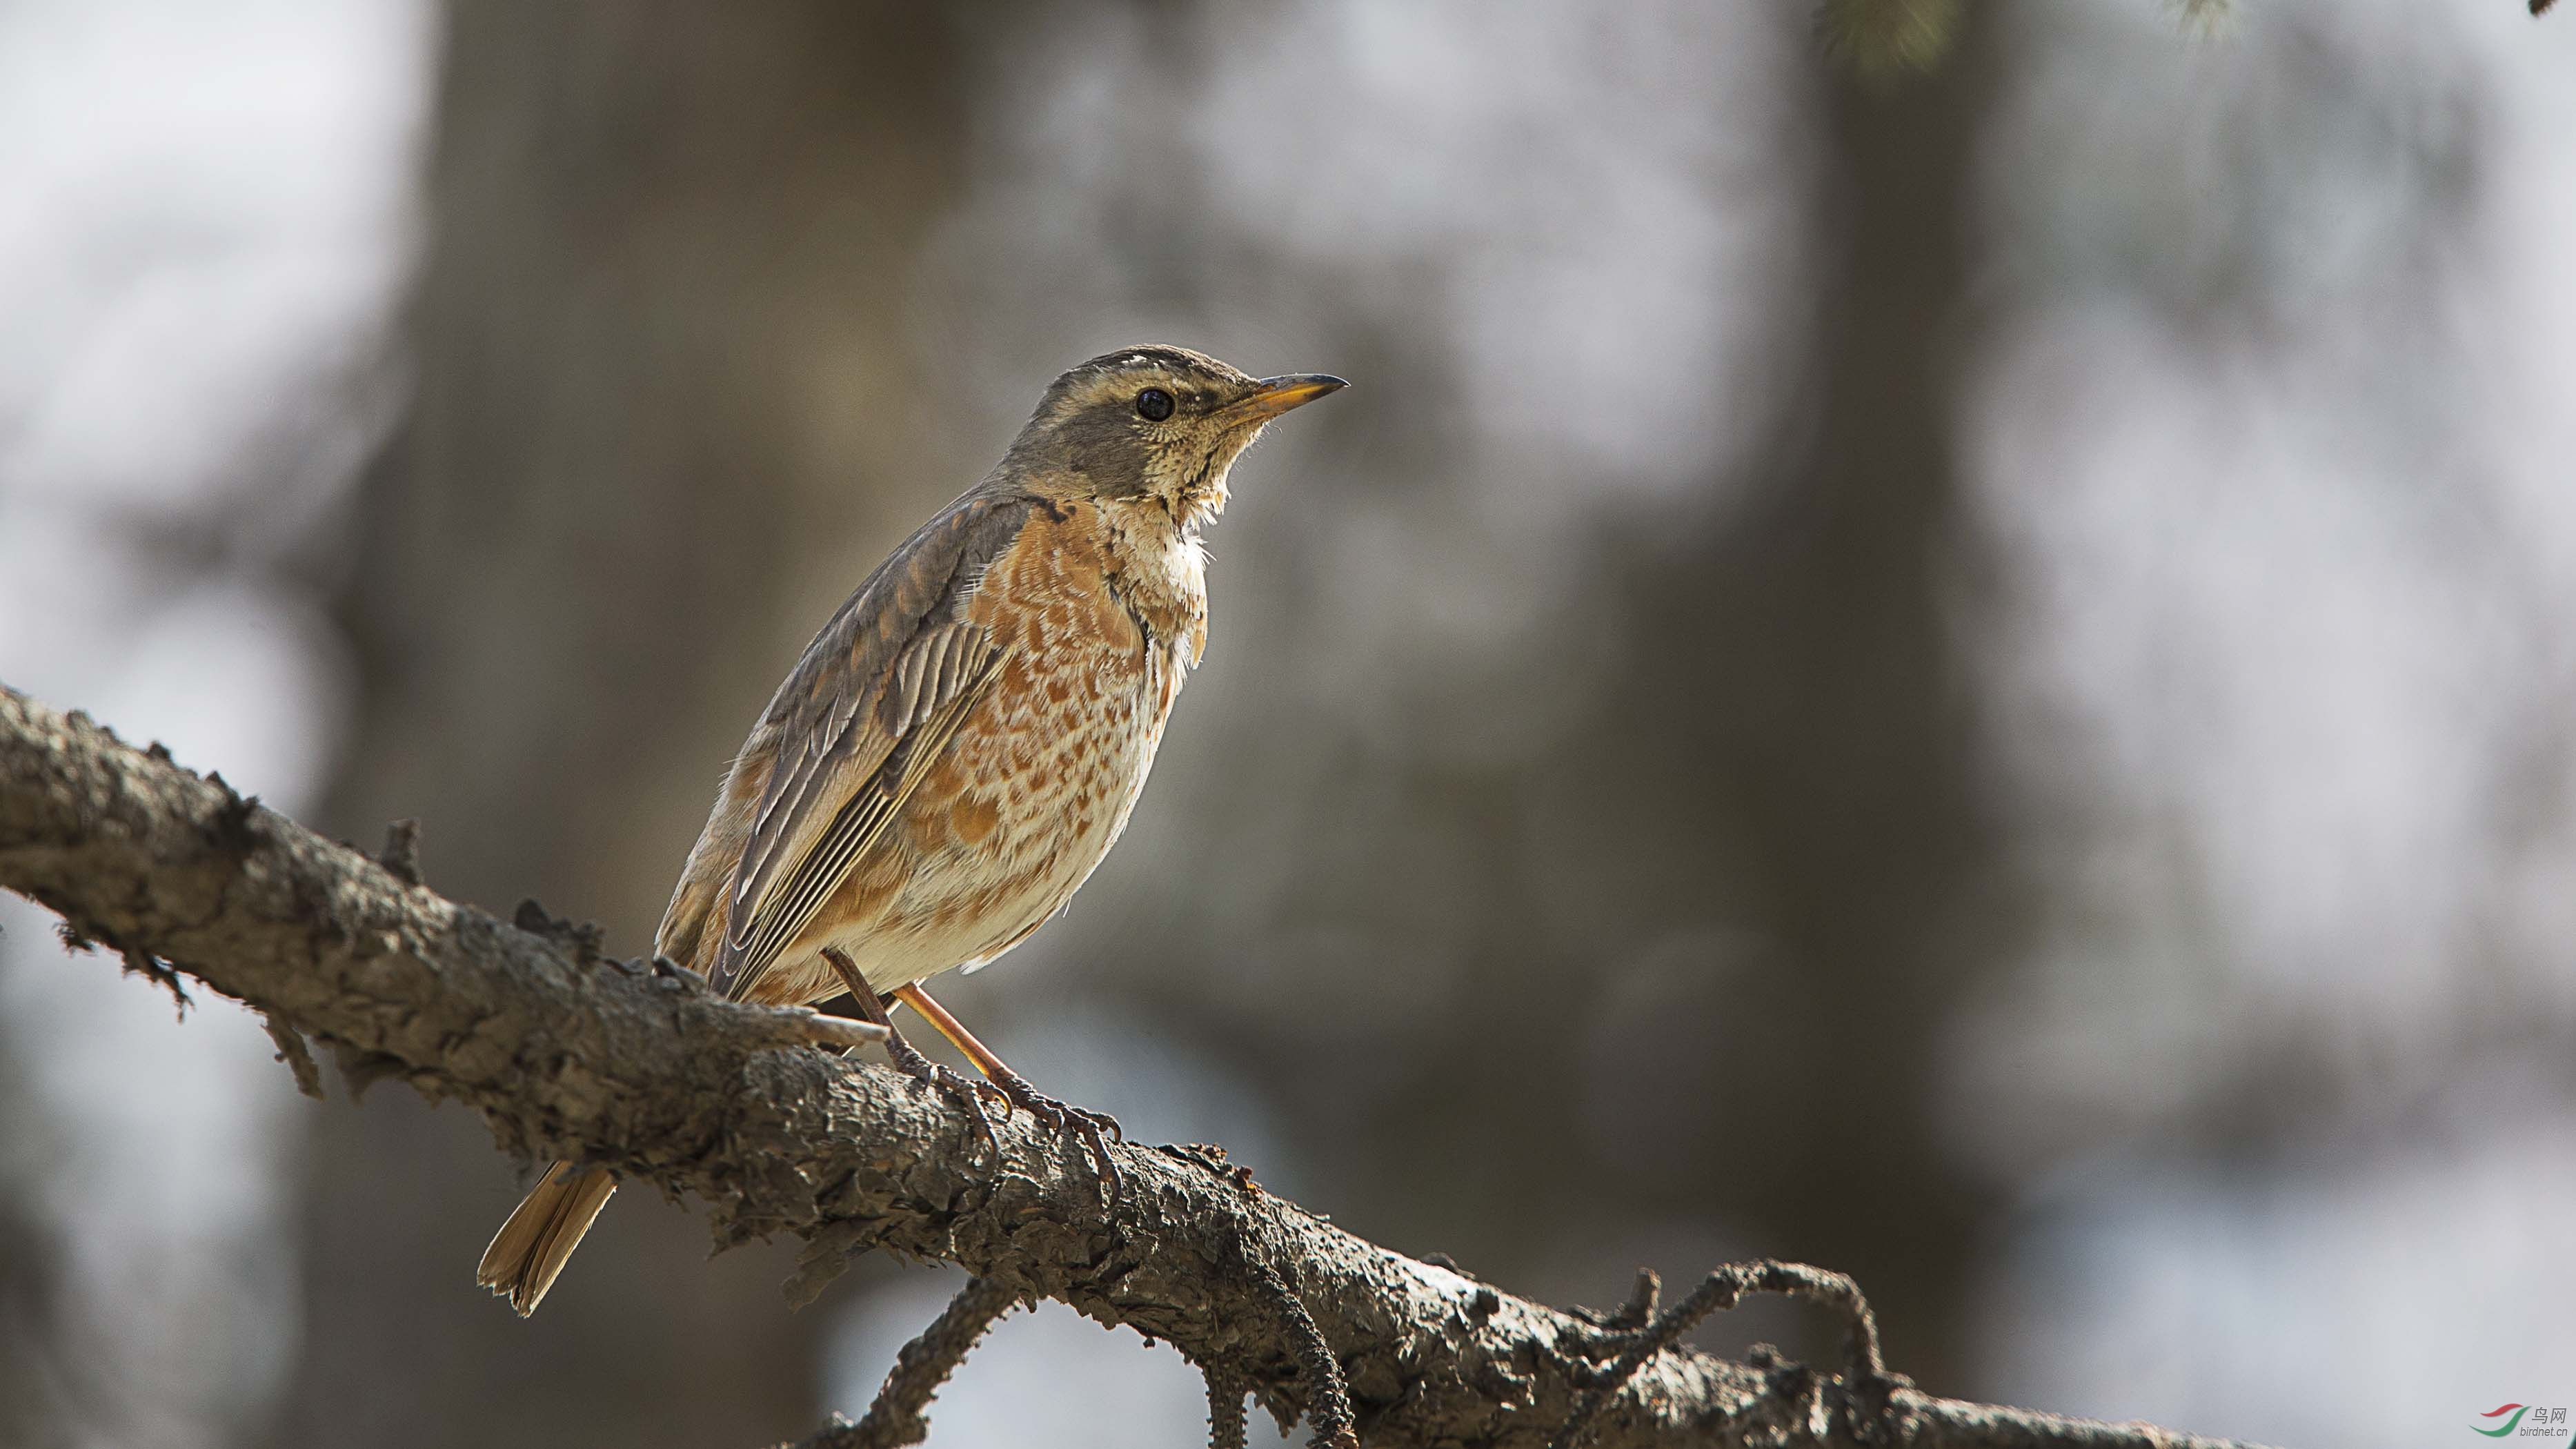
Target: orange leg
point(1092, 1127)
point(956, 1032)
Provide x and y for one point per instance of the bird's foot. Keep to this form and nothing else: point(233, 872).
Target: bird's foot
point(940, 1080)
point(926, 1075)
point(1094, 1129)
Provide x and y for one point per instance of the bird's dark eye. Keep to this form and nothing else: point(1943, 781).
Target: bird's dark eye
point(1153, 405)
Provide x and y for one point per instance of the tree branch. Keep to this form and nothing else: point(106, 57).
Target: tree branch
point(898, 1417)
point(638, 1069)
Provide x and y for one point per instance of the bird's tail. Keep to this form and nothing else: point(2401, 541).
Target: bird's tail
point(531, 1247)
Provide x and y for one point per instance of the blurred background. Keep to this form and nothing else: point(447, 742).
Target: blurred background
point(1961, 670)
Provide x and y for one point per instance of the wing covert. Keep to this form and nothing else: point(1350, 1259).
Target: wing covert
point(875, 698)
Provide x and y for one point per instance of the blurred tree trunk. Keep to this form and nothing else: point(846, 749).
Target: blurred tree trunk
point(45, 1398)
point(1736, 904)
point(1810, 676)
point(1775, 813)
point(664, 416)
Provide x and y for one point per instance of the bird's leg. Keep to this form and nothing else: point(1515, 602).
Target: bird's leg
point(926, 1074)
point(1094, 1128)
point(1046, 1108)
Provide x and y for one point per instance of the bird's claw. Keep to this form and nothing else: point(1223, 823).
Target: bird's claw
point(1094, 1130)
point(936, 1077)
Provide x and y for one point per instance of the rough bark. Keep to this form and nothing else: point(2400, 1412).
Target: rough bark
point(566, 1053)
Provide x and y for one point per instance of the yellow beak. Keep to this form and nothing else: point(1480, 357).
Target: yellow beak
point(1277, 395)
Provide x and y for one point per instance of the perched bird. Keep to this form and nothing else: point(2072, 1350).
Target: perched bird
point(960, 745)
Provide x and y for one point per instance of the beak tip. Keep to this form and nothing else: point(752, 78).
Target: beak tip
point(1277, 395)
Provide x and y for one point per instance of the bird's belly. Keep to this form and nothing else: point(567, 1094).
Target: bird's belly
point(1025, 802)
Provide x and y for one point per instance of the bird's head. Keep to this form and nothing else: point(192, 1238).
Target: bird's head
point(1157, 425)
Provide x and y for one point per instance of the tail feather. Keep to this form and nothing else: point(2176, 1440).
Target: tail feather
point(531, 1247)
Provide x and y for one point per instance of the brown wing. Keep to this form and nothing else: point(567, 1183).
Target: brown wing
point(866, 711)
point(782, 910)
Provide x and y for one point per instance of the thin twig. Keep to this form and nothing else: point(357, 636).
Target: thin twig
point(806, 1026)
point(1723, 1289)
point(1330, 1408)
point(1225, 1391)
point(292, 1051)
point(898, 1416)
